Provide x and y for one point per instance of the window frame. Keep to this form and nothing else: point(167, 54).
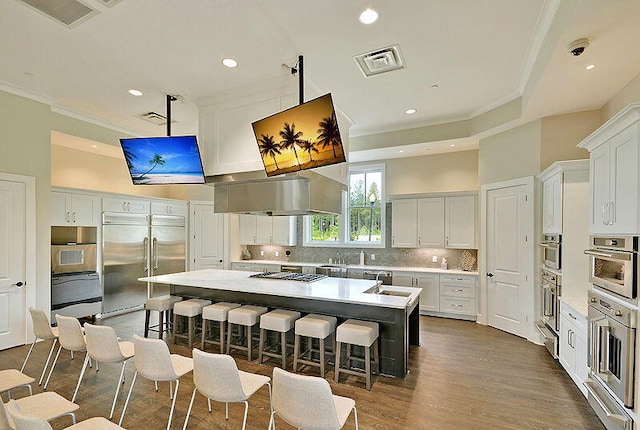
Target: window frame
point(343, 239)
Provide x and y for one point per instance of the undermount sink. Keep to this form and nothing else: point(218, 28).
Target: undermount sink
point(387, 292)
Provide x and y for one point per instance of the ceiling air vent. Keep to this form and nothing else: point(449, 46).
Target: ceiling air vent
point(155, 118)
point(380, 61)
point(67, 12)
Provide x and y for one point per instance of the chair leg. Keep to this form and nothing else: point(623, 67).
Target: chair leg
point(246, 410)
point(28, 355)
point(283, 341)
point(376, 355)
point(53, 366)
point(296, 350)
point(226, 411)
point(46, 364)
point(173, 404)
point(190, 328)
point(337, 363)
point(84, 367)
point(322, 357)
point(209, 404)
point(222, 337)
point(355, 416)
point(367, 365)
point(204, 331)
point(126, 403)
point(249, 342)
point(147, 313)
point(186, 420)
point(115, 398)
point(161, 324)
point(175, 325)
point(261, 346)
point(229, 330)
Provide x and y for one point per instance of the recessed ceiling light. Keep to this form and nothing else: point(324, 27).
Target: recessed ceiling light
point(590, 66)
point(453, 144)
point(135, 92)
point(369, 16)
point(410, 111)
point(401, 151)
point(434, 86)
point(94, 146)
point(230, 62)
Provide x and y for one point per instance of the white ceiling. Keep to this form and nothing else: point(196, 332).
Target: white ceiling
point(479, 53)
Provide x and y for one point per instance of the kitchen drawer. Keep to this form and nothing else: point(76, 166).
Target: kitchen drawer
point(458, 290)
point(579, 320)
point(248, 267)
point(458, 279)
point(455, 305)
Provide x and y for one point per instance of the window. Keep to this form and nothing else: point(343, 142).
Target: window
point(363, 220)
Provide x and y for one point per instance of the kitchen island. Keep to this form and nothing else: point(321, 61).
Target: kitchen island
point(395, 309)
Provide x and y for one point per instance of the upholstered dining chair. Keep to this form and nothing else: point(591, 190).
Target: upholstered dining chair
point(41, 330)
point(24, 421)
point(306, 402)
point(154, 361)
point(217, 377)
point(45, 406)
point(70, 337)
point(103, 346)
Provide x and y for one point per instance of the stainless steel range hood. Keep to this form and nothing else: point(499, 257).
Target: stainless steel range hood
point(301, 193)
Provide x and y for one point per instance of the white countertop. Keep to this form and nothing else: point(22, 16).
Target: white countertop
point(579, 304)
point(330, 289)
point(364, 267)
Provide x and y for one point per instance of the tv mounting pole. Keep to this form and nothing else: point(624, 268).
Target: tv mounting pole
point(170, 99)
point(300, 79)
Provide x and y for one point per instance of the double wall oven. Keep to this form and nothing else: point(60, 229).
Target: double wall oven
point(549, 322)
point(612, 328)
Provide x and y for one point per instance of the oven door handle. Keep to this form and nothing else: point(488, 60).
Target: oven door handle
point(547, 306)
point(597, 348)
point(622, 256)
point(544, 245)
point(617, 418)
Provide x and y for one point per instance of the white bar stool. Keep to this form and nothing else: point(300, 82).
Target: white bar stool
point(216, 312)
point(163, 305)
point(361, 333)
point(317, 327)
point(281, 321)
point(190, 309)
point(246, 316)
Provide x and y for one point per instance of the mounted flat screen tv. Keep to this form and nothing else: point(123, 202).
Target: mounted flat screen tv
point(303, 137)
point(163, 160)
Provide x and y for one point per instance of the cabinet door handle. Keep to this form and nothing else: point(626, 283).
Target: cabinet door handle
point(393, 240)
point(67, 217)
point(612, 213)
point(571, 315)
point(446, 241)
point(604, 213)
point(456, 306)
point(73, 216)
point(418, 240)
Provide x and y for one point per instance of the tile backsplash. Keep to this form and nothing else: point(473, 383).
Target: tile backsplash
point(387, 256)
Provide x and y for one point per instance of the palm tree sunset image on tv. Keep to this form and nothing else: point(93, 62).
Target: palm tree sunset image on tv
point(303, 137)
point(163, 160)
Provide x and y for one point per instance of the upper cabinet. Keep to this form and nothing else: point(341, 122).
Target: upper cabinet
point(267, 230)
point(117, 204)
point(169, 208)
point(614, 178)
point(74, 209)
point(552, 204)
point(434, 222)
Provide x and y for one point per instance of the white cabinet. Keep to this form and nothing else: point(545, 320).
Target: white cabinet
point(255, 267)
point(614, 176)
point(117, 204)
point(74, 209)
point(404, 223)
point(266, 230)
point(552, 204)
point(434, 222)
point(430, 284)
point(458, 294)
point(460, 222)
point(573, 344)
point(169, 208)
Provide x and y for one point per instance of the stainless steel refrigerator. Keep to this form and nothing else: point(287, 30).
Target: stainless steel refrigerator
point(134, 246)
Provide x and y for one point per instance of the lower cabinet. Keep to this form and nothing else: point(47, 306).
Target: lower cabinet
point(429, 282)
point(255, 267)
point(573, 345)
point(458, 294)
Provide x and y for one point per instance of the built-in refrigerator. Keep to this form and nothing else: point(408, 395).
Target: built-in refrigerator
point(135, 246)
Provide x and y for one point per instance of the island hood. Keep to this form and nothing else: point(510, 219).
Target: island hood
point(300, 193)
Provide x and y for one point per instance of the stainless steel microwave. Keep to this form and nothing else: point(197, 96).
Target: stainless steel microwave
point(73, 258)
point(552, 251)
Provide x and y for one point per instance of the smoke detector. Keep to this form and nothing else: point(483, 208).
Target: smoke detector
point(380, 61)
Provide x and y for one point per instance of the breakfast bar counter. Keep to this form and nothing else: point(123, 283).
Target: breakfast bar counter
point(395, 309)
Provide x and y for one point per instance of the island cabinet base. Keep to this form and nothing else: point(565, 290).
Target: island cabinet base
point(399, 328)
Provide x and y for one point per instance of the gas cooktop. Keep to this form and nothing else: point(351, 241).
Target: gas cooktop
point(287, 276)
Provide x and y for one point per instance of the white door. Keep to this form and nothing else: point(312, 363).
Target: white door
point(12, 264)
point(507, 256)
point(207, 241)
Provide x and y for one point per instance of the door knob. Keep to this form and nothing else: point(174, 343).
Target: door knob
point(489, 274)
point(18, 284)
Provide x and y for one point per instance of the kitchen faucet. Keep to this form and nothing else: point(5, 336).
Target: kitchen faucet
point(338, 261)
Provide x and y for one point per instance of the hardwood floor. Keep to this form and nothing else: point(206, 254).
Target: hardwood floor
point(464, 376)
